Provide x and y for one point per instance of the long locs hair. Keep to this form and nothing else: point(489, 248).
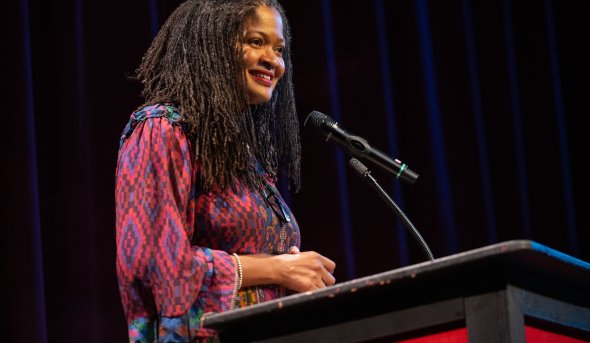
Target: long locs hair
point(195, 63)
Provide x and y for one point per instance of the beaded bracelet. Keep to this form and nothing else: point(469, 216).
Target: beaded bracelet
point(239, 278)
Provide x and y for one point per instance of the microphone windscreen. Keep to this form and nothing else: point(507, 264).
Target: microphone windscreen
point(318, 120)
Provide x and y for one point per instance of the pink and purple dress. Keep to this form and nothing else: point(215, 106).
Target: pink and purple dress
point(174, 242)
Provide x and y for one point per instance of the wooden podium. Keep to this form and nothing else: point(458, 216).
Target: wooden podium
point(516, 291)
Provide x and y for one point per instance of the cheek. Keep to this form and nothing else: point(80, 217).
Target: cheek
point(248, 57)
point(280, 70)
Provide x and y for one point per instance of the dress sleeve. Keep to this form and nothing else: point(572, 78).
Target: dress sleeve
point(155, 203)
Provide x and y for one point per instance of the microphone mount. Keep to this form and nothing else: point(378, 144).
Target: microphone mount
point(365, 174)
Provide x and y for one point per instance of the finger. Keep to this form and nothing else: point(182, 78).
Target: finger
point(293, 250)
point(328, 264)
point(328, 278)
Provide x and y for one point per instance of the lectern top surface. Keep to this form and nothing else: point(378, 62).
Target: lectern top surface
point(519, 256)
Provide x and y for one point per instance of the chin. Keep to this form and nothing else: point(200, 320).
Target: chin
point(258, 99)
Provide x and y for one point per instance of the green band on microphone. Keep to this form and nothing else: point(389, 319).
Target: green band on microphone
point(401, 170)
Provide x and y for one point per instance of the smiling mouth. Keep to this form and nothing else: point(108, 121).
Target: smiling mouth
point(260, 77)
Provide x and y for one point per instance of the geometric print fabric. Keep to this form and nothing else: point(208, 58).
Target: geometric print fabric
point(174, 243)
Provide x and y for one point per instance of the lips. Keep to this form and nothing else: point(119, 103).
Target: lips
point(262, 76)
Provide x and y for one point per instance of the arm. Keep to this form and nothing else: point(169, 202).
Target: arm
point(154, 179)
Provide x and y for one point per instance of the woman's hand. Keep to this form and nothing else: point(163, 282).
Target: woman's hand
point(304, 271)
point(297, 271)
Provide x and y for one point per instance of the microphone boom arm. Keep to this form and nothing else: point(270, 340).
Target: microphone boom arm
point(365, 174)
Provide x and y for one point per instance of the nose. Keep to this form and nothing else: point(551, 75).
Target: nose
point(268, 59)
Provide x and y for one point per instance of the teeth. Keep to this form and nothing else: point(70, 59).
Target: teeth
point(261, 75)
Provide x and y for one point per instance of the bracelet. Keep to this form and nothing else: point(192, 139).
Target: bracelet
point(239, 277)
point(239, 271)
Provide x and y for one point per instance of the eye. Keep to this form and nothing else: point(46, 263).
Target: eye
point(255, 42)
point(280, 49)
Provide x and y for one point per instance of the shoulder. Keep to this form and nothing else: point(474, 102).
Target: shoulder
point(154, 112)
point(158, 111)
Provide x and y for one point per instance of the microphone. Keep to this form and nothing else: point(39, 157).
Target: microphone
point(328, 128)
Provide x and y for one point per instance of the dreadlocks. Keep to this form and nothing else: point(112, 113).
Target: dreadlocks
point(195, 63)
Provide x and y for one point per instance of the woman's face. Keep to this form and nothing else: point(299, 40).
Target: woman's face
point(262, 49)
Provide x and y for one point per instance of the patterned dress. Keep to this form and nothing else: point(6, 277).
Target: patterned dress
point(174, 242)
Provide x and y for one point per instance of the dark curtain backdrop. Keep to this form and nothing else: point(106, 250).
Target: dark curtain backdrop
point(485, 99)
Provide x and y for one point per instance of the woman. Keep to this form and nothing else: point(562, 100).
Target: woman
point(201, 226)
